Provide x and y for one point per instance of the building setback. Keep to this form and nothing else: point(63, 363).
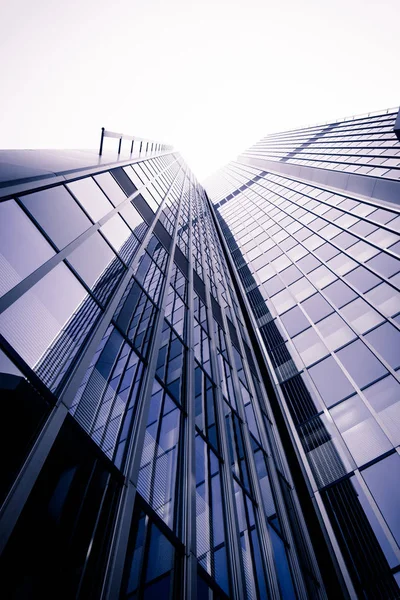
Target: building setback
point(199, 386)
point(311, 220)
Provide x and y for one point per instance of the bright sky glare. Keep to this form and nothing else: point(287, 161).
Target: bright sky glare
point(210, 77)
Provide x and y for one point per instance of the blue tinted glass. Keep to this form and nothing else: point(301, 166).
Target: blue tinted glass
point(282, 567)
point(362, 279)
point(58, 213)
point(362, 365)
point(385, 265)
point(161, 555)
point(383, 481)
point(91, 197)
point(339, 293)
point(97, 264)
point(330, 381)
point(22, 247)
point(295, 321)
point(317, 307)
point(111, 188)
point(386, 340)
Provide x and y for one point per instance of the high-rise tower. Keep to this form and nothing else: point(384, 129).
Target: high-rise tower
point(311, 219)
point(141, 457)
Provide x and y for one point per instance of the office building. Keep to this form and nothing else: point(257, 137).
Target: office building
point(141, 457)
point(199, 384)
point(311, 220)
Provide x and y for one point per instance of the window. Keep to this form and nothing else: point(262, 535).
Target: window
point(339, 293)
point(321, 277)
point(362, 279)
point(383, 481)
point(111, 188)
point(362, 434)
point(385, 265)
point(335, 332)
point(302, 289)
point(362, 365)
point(386, 340)
point(308, 263)
point(361, 315)
point(330, 381)
point(317, 307)
point(384, 397)
point(91, 197)
point(309, 346)
point(36, 325)
point(98, 266)
point(57, 212)
point(22, 247)
point(386, 298)
point(295, 321)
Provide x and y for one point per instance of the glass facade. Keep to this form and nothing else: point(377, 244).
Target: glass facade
point(144, 460)
point(311, 221)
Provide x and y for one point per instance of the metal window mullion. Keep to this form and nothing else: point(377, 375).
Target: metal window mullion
point(232, 530)
point(265, 441)
point(188, 502)
point(30, 280)
point(113, 580)
point(261, 523)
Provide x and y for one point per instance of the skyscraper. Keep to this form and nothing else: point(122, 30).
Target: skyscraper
point(141, 456)
point(200, 397)
point(311, 220)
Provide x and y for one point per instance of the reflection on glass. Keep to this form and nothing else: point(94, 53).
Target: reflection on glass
point(22, 248)
point(57, 212)
point(383, 481)
point(91, 197)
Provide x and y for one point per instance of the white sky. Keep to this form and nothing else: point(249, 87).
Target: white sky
point(209, 76)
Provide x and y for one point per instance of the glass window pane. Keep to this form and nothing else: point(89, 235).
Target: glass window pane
point(295, 321)
point(362, 434)
point(330, 381)
point(282, 301)
point(98, 266)
point(111, 188)
point(362, 279)
point(385, 265)
point(302, 289)
point(335, 332)
point(309, 346)
point(91, 197)
point(362, 365)
point(386, 298)
point(317, 307)
point(38, 320)
point(386, 340)
point(321, 277)
point(384, 397)
point(134, 220)
point(22, 247)
point(120, 237)
point(58, 213)
point(341, 264)
point(383, 481)
point(361, 315)
point(339, 293)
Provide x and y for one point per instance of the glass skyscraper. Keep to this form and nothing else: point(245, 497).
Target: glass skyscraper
point(311, 220)
point(199, 385)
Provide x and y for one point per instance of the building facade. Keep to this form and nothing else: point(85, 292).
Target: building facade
point(311, 219)
point(141, 456)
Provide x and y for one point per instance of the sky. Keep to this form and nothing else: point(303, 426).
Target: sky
point(210, 77)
